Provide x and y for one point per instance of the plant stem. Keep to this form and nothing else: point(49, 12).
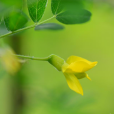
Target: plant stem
point(33, 58)
point(32, 26)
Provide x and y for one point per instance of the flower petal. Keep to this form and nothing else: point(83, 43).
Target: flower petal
point(9, 60)
point(88, 77)
point(73, 59)
point(73, 83)
point(80, 66)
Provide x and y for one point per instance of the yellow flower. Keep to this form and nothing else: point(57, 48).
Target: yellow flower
point(74, 68)
point(9, 60)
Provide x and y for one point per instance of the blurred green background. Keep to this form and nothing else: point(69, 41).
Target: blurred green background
point(45, 89)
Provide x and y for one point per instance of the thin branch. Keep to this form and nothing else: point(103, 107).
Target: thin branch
point(32, 26)
point(33, 58)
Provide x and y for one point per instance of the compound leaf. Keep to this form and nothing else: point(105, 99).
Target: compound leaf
point(49, 26)
point(15, 20)
point(70, 11)
point(36, 9)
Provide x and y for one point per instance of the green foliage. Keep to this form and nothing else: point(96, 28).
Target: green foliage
point(2, 9)
point(3, 29)
point(59, 6)
point(15, 20)
point(36, 9)
point(6, 5)
point(65, 11)
point(49, 26)
point(70, 12)
point(74, 17)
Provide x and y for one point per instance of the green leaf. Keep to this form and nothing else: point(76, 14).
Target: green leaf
point(15, 20)
point(70, 11)
point(74, 17)
point(6, 5)
point(36, 9)
point(59, 6)
point(49, 26)
point(2, 9)
point(3, 29)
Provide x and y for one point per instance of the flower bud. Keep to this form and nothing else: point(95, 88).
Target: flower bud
point(56, 61)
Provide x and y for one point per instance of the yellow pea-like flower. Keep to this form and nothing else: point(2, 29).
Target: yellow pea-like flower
point(9, 60)
point(73, 69)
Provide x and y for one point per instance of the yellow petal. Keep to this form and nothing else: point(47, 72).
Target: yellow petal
point(81, 75)
point(73, 59)
point(10, 61)
point(73, 83)
point(88, 77)
point(79, 67)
